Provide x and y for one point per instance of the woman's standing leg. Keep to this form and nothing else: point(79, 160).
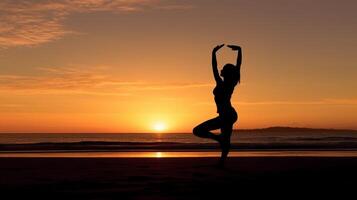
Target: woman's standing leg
point(225, 141)
point(226, 133)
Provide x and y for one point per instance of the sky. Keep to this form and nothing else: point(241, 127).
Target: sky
point(135, 65)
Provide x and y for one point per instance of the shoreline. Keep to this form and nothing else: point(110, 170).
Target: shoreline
point(169, 146)
point(178, 154)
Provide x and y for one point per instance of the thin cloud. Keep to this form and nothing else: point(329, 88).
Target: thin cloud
point(27, 23)
point(317, 102)
point(76, 80)
point(160, 86)
point(11, 105)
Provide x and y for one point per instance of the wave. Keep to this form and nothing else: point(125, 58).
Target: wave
point(176, 146)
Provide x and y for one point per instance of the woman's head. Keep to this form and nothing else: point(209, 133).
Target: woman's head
point(230, 73)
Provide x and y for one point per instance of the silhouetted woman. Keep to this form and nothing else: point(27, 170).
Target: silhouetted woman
point(227, 116)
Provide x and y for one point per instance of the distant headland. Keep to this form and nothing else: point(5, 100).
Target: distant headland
point(287, 129)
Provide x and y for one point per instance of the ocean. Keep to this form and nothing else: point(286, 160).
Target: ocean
point(241, 138)
point(244, 143)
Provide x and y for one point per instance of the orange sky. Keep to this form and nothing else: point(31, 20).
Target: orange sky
point(124, 66)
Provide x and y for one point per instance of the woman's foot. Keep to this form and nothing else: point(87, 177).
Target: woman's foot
point(225, 143)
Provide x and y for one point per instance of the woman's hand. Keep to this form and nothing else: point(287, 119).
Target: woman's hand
point(217, 48)
point(234, 47)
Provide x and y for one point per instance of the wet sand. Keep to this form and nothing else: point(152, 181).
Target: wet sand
point(178, 154)
point(177, 178)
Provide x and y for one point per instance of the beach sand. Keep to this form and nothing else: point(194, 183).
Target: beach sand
point(177, 178)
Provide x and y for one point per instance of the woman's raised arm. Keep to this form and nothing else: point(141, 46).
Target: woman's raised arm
point(214, 63)
point(239, 57)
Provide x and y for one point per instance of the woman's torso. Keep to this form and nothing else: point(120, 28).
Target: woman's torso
point(222, 96)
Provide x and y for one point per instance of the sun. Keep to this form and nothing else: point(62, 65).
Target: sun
point(159, 126)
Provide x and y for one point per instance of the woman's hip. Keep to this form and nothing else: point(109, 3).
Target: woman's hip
point(230, 115)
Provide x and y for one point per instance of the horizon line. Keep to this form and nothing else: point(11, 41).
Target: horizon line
point(185, 132)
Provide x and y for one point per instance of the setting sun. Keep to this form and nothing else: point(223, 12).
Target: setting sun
point(159, 126)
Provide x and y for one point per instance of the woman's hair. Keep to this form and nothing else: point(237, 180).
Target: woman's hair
point(231, 74)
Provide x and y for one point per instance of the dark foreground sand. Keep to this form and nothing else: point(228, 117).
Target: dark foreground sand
point(177, 178)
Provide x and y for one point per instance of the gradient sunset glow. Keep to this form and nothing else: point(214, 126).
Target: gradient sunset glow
point(144, 65)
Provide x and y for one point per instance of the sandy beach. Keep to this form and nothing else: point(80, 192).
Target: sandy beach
point(176, 178)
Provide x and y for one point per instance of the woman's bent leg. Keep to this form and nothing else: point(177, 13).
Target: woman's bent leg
point(203, 130)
